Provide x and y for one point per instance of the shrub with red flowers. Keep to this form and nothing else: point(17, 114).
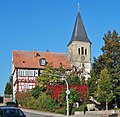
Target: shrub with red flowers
point(56, 90)
point(82, 90)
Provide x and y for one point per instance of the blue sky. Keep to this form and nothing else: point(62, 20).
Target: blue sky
point(48, 24)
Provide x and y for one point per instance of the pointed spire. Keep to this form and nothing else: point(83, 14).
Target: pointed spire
point(78, 7)
point(79, 33)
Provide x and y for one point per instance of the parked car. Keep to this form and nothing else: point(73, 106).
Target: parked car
point(11, 104)
point(11, 112)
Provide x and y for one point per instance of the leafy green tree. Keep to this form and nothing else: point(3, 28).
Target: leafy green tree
point(35, 92)
point(111, 53)
point(92, 84)
point(104, 89)
point(46, 77)
point(8, 89)
point(108, 59)
point(73, 80)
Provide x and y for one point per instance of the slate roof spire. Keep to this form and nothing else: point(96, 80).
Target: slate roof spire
point(79, 33)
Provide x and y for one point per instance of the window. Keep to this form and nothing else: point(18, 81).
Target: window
point(79, 51)
point(42, 62)
point(1, 114)
point(26, 86)
point(22, 72)
point(82, 49)
point(83, 65)
point(85, 51)
point(26, 72)
point(36, 73)
point(31, 73)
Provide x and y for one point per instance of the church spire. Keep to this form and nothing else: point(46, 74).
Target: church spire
point(78, 7)
point(79, 33)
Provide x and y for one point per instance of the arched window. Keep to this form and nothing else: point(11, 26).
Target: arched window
point(85, 51)
point(82, 50)
point(79, 51)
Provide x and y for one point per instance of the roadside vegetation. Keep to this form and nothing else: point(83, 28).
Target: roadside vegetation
point(50, 92)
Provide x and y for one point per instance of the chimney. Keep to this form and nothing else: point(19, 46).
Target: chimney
point(35, 53)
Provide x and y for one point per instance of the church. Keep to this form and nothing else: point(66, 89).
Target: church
point(79, 48)
point(27, 65)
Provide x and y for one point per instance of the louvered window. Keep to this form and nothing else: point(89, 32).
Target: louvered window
point(82, 50)
point(85, 51)
point(79, 51)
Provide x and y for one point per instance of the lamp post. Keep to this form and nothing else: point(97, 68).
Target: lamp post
point(67, 91)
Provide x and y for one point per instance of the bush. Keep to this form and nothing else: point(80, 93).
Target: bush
point(45, 103)
point(62, 110)
point(31, 103)
point(35, 92)
point(23, 98)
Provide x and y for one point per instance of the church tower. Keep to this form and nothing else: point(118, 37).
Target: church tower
point(79, 48)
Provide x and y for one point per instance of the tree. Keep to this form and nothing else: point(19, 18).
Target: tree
point(108, 59)
point(73, 80)
point(111, 53)
point(35, 92)
point(49, 76)
point(104, 88)
point(8, 89)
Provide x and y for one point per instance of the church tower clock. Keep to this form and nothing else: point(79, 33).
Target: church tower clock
point(79, 47)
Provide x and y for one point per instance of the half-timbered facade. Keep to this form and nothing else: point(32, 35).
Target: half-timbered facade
point(26, 66)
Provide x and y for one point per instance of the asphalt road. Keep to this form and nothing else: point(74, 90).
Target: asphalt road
point(36, 115)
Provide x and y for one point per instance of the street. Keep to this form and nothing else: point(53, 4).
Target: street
point(28, 114)
point(35, 113)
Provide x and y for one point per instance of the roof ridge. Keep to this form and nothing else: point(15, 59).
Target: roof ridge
point(54, 52)
point(39, 52)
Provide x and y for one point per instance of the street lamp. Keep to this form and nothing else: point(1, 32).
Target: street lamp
point(67, 91)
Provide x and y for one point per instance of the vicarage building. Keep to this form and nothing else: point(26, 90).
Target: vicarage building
point(27, 65)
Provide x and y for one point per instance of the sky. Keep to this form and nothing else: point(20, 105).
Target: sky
point(48, 24)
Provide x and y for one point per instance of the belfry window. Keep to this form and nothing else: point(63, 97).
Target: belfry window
point(85, 51)
point(79, 51)
point(82, 50)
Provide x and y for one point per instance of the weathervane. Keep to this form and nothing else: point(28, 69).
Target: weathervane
point(78, 7)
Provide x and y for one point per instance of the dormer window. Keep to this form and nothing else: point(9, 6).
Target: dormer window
point(42, 62)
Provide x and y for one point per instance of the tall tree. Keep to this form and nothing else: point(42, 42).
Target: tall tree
point(104, 88)
point(8, 89)
point(110, 59)
point(111, 53)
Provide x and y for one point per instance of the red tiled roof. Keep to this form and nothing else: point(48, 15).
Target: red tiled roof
point(24, 59)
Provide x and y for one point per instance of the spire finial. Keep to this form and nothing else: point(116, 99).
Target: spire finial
point(78, 7)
